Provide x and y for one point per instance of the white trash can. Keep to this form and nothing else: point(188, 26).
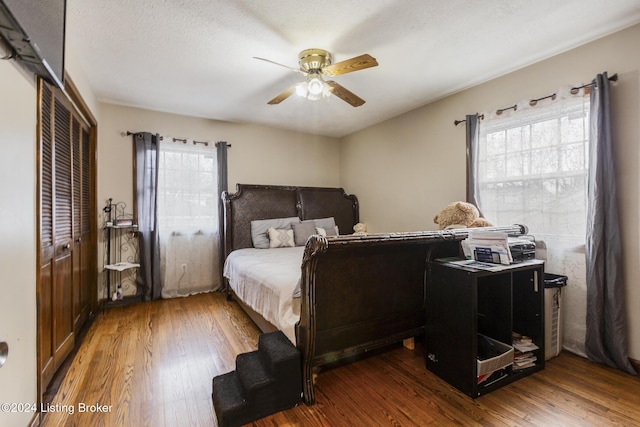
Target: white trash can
point(553, 284)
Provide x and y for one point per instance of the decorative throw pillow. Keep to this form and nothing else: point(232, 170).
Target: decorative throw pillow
point(259, 229)
point(302, 231)
point(323, 222)
point(329, 231)
point(280, 238)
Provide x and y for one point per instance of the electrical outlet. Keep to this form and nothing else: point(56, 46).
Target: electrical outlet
point(184, 268)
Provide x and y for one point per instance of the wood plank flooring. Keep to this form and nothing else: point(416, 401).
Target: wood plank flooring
point(151, 364)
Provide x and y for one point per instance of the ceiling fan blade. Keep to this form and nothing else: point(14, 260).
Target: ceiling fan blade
point(354, 64)
point(282, 65)
point(284, 95)
point(345, 94)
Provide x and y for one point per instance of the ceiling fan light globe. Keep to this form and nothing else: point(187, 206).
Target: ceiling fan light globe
point(326, 90)
point(315, 86)
point(301, 90)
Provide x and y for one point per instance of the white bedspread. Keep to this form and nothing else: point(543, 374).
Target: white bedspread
point(265, 279)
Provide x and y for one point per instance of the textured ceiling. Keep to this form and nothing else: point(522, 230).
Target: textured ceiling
point(195, 57)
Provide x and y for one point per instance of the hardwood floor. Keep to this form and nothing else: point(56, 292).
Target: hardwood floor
point(151, 364)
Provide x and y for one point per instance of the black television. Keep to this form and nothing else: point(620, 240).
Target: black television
point(35, 30)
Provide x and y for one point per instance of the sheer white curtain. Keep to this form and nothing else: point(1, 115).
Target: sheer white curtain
point(531, 168)
point(188, 217)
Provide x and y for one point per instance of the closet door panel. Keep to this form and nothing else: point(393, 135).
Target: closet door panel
point(63, 233)
point(63, 336)
point(85, 225)
point(62, 172)
point(45, 324)
point(76, 221)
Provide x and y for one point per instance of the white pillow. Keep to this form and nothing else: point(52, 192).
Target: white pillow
point(280, 238)
point(328, 231)
point(259, 229)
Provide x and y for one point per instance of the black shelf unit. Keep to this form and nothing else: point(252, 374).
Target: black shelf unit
point(463, 302)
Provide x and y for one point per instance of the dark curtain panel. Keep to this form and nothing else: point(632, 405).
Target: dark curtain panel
point(223, 186)
point(472, 147)
point(606, 337)
point(146, 170)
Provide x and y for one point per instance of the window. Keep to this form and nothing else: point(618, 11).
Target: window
point(532, 169)
point(187, 188)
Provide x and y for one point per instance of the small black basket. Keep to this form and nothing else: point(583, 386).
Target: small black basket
point(554, 280)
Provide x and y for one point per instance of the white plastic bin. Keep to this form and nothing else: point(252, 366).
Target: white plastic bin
point(502, 360)
point(553, 284)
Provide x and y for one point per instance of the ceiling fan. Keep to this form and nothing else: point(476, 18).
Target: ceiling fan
point(316, 64)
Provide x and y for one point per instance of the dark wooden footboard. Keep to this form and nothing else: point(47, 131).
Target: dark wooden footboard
point(364, 292)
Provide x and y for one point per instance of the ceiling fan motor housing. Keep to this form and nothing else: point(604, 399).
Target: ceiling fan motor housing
point(313, 59)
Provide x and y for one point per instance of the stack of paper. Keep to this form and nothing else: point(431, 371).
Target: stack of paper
point(524, 346)
point(487, 246)
point(523, 357)
point(524, 360)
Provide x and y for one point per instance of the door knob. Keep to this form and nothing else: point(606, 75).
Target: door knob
point(4, 352)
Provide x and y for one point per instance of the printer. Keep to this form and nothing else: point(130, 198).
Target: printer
point(522, 248)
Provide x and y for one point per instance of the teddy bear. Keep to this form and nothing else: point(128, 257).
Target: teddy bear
point(480, 222)
point(460, 215)
point(360, 229)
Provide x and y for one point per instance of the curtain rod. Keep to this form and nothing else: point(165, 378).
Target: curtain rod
point(457, 122)
point(183, 140)
point(533, 102)
point(575, 90)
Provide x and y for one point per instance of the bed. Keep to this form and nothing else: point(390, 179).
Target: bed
point(357, 292)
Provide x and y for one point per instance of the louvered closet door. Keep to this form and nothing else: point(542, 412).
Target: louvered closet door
point(63, 231)
point(67, 245)
point(65, 261)
point(81, 222)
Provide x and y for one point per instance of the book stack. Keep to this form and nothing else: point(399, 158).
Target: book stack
point(523, 356)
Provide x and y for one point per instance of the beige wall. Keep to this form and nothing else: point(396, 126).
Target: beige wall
point(258, 155)
point(74, 70)
point(18, 378)
point(406, 169)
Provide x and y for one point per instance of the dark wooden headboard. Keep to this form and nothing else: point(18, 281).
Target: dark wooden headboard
point(252, 202)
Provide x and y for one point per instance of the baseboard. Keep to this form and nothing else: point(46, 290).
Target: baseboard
point(129, 299)
point(636, 364)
